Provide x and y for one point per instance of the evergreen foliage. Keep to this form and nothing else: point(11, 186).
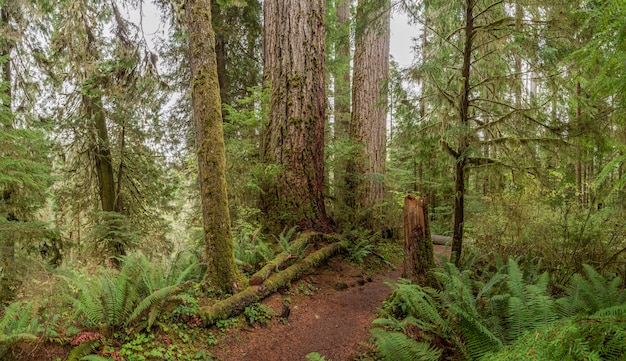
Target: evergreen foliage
point(578, 338)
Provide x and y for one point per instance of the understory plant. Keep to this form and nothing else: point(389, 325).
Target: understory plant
point(109, 299)
point(19, 322)
point(471, 315)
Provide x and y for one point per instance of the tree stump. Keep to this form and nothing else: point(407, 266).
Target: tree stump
point(418, 247)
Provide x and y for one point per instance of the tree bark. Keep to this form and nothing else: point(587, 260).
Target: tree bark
point(369, 102)
point(461, 161)
point(418, 247)
point(293, 138)
point(207, 118)
point(342, 76)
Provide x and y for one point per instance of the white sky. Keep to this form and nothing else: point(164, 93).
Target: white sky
point(401, 39)
point(401, 33)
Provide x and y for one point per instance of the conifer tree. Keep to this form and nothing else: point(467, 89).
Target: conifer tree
point(207, 117)
point(293, 139)
point(24, 155)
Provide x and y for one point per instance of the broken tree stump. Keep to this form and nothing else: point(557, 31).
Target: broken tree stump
point(418, 247)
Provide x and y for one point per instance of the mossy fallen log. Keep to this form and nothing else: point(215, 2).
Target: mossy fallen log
point(274, 265)
point(238, 302)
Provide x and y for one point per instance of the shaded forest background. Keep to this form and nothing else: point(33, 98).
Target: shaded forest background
point(510, 121)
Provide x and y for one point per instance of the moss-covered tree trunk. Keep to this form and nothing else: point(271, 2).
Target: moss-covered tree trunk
point(207, 117)
point(369, 103)
point(7, 242)
point(293, 139)
point(461, 153)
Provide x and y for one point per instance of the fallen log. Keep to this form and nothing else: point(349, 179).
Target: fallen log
point(441, 240)
point(274, 265)
point(238, 302)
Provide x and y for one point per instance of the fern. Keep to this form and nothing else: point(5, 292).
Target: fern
point(591, 293)
point(595, 338)
point(83, 350)
point(18, 324)
point(396, 346)
point(111, 300)
point(152, 302)
point(96, 358)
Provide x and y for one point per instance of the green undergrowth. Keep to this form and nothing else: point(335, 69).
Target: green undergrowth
point(503, 313)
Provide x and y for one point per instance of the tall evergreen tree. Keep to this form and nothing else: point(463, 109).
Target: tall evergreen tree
point(105, 86)
point(368, 124)
point(24, 151)
point(207, 117)
point(293, 139)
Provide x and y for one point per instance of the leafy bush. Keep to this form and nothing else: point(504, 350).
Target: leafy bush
point(258, 313)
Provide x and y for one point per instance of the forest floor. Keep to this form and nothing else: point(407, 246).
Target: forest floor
point(331, 312)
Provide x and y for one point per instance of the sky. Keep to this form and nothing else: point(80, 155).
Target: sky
point(401, 39)
point(401, 33)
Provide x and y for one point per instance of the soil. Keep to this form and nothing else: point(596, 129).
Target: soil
point(334, 321)
point(330, 312)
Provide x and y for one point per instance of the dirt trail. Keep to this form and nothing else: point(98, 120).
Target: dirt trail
point(332, 322)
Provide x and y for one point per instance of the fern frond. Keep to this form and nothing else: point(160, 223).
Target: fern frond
point(396, 346)
point(618, 311)
point(96, 358)
point(591, 293)
point(156, 298)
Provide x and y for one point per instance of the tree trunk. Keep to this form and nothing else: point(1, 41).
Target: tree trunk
point(418, 247)
point(7, 243)
point(342, 73)
point(369, 101)
point(220, 53)
point(293, 138)
point(461, 161)
point(109, 198)
point(207, 117)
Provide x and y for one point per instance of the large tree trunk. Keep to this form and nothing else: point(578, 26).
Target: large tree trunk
point(207, 117)
point(369, 101)
point(418, 247)
point(461, 161)
point(342, 72)
point(294, 135)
